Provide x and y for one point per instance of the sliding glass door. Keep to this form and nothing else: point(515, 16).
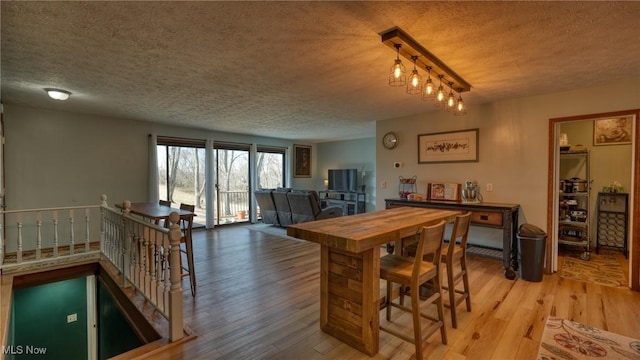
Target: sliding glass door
point(181, 171)
point(232, 185)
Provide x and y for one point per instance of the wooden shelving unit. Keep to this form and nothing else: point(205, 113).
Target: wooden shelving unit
point(573, 224)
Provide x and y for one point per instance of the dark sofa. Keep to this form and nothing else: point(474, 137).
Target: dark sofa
point(283, 207)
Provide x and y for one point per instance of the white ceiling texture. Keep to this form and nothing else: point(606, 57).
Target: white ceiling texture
point(314, 71)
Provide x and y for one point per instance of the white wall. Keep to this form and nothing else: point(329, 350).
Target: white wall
point(513, 145)
point(55, 158)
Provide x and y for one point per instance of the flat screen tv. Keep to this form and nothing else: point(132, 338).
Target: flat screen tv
point(343, 180)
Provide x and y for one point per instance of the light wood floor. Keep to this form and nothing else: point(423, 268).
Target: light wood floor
point(258, 298)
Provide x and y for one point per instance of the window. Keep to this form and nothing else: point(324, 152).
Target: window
point(270, 166)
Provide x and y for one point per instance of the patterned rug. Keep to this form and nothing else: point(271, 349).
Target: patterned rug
point(602, 269)
point(565, 339)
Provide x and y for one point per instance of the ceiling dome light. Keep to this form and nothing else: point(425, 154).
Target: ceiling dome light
point(58, 94)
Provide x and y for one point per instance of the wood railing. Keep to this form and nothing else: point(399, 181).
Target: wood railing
point(232, 202)
point(142, 252)
point(31, 238)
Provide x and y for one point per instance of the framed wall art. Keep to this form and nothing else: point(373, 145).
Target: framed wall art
point(301, 161)
point(615, 131)
point(448, 147)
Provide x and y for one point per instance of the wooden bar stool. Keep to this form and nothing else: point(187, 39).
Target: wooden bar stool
point(186, 225)
point(454, 256)
point(413, 272)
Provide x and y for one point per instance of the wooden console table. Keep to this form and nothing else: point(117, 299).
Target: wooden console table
point(492, 215)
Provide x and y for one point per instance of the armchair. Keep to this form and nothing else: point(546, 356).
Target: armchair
point(264, 198)
point(305, 206)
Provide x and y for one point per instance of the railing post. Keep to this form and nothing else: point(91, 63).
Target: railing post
point(87, 238)
point(1, 244)
point(72, 234)
point(19, 249)
point(39, 235)
point(103, 224)
point(55, 233)
point(176, 327)
point(125, 250)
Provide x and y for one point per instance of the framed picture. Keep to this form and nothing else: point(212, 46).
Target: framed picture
point(443, 192)
point(447, 147)
point(615, 131)
point(301, 161)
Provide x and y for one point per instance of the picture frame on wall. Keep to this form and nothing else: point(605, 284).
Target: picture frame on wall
point(301, 161)
point(614, 131)
point(448, 147)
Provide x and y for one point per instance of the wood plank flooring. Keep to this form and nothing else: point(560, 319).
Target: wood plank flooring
point(258, 298)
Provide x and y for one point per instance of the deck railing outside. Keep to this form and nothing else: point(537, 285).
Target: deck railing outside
point(142, 252)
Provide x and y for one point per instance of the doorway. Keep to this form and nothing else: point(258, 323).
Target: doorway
point(634, 191)
point(231, 194)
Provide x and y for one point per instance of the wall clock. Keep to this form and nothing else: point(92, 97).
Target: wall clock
point(390, 140)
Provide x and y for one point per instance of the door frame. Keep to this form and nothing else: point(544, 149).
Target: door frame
point(634, 236)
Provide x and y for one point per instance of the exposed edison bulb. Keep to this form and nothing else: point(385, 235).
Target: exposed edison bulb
point(451, 101)
point(414, 87)
point(397, 75)
point(428, 87)
point(397, 69)
point(429, 90)
point(415, 81)
point(440, 94)
point(460, 107)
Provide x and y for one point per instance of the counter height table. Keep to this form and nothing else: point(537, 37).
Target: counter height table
point(350, 267)
point(155, 211)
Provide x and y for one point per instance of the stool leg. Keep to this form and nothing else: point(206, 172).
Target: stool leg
point(417, 327)
point(465, 280)
point(451, 289)
point(192, 273)
point(389, 291)
point(440, 306)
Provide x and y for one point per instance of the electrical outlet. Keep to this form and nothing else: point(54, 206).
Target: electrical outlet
point(489, 187)
point(383, 185)
point(72, 318)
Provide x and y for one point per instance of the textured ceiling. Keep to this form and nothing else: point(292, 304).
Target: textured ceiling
point(313, 71)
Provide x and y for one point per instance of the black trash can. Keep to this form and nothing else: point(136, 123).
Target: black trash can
point(531, 245)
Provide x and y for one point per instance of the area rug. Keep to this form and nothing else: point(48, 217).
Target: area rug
point(602, 269)
point(565, 339)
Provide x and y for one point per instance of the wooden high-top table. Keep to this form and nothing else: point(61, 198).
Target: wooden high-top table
point(156, 212)
point(350, 267)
